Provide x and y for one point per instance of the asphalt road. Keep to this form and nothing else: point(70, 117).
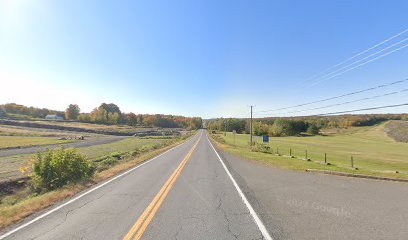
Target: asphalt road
point(84, 143)
point(187, 193)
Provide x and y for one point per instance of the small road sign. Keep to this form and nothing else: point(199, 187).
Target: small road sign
point(265, 138)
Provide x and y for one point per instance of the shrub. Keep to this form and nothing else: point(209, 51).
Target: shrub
point(116, 155)
point(218, 138)
point(313, 129)
point(261, 147)
point(109, 161)
point(56, 168)
point(145, 148)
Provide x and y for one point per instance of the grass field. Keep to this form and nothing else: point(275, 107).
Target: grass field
point(373, 151)
point(8, 130)
point(9, 166)
point(20, 141)
point(127, 144)
point(93, 126)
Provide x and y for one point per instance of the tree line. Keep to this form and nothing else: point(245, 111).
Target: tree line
point(33, 112)
point(292, 126)
point(276, 127)
point(106, 113)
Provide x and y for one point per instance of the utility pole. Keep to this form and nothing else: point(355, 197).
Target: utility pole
point(250, 126)
point(225, 127)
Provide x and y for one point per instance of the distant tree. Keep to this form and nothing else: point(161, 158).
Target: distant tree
point(283, 127)
point(140, 119)
point(313, 129)
point(84, 117)
point(72, 112)
point(131, 119)
point(2, 112)
point(112, 113)
point(113, 118)
point(196, 123)
point(110, 108)
point(99, 115)
point(149, 119)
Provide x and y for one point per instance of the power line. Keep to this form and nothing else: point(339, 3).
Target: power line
point(348, 102)
point(362, 64)
point(336, 97)
point(356, 110)
point(363, 109)
point(240, 114)
point(327, 76)
point(354, 56)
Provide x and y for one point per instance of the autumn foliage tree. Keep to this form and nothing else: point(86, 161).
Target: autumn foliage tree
point(131, 119)
point(72, 112)
point(107, 113)
point(28, 111)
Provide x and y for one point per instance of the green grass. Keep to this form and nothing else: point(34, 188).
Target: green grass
point(92, 126)
point(127, 144)
point(373, 151)
point(8, 130)
point(9, 166)
point(19, 141)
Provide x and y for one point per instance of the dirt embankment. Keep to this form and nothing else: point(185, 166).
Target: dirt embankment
point(397, 130)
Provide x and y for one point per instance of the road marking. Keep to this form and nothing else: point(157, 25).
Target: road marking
point(86, 193)
point(257, 220)
point(144, 220)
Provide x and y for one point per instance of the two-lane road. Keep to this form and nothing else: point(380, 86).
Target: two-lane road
point(202, 203)
point(191, 192)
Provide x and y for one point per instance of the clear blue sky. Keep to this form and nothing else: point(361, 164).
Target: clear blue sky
point(194, 58)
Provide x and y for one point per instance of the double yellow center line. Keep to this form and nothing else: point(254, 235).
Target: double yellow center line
point(144, 220)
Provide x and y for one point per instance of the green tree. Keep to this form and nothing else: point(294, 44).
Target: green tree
point(113, 118)
point(72, 112)
point(84, 117)
point(99, 115)
point(313, 129)
point(109, 109)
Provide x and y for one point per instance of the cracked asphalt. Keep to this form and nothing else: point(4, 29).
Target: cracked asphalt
point(204, 204)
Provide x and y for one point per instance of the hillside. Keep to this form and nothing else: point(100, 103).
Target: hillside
point(397, 130)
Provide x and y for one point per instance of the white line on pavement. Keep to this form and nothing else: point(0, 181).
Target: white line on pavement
point(85, 193)
point(257, 220)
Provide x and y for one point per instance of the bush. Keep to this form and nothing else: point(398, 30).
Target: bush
point(109, 161)
point(285, 127)
point(56, 168)
point(145, 148)
point(313, 129)
point(218, 138)
point(261, 147)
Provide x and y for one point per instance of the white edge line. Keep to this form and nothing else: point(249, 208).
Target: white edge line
point(257, 220)
point(85, 193)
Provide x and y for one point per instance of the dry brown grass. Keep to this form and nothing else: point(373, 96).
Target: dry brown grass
point(397, 130)
point(15, 213)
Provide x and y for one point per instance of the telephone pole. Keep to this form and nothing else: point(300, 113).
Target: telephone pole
point(225, 127)
point(250, 126)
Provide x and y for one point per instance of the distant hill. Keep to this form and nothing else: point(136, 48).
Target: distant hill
point(397, 130)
